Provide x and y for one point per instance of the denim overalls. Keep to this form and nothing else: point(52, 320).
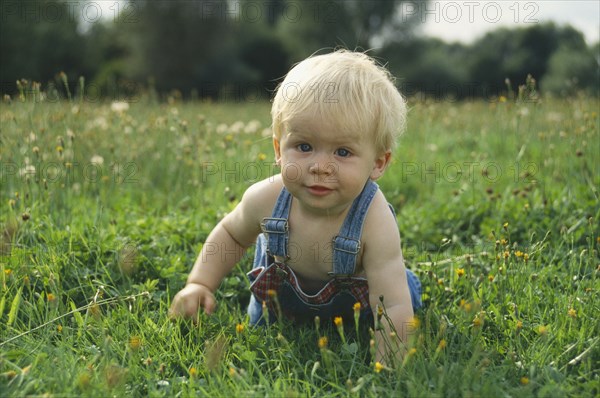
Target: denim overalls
point(276, 284)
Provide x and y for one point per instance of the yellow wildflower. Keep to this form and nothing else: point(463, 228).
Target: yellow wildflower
point(442, 344)
point(519, 325)
point(414, 323)
point(51, 297)
point(239, 328)
point(460, 272)
point(519, 253)
point(338, 321)
point(542, 330)
point(378, 367)
point(193, 372)
point(572, 312)
point(7, 272)
point(323, 342)
point(271, 293)
point(135, 342)
point(491, 277)
point(59, 328)
point(524, 380)
point(356, 307)
point(262, 156)
point(412, 351)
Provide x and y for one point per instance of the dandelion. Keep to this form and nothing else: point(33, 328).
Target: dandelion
point(572, 313)
point(7, 272)
point(323, 342)
point(232, 371)
point(378, 367)
point(356, 308)
point(59, 149)
point(135, 342)
point(59, 328)
point(239, 328)
point(491, 277)
point(519, 325)
point(51, 297)
point(503, 241)
point(525, 257)
point(147, 361)
point(119, 106)
point(97, 160)
point(339, 323)
point(477, 321)
point(271, 293)
point(412, 351)
point(506, 254)
point(542, 330)
point(441, 345)
point(524, 380)
point(262, 156)
point(193, 372)
point(460, 272)
point(414, 323)
point(505, 225)
point(519, 254)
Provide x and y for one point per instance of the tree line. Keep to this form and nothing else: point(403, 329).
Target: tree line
point(240, 50)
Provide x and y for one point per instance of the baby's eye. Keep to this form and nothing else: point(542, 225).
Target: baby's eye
point(304, 147)
point(343, 152)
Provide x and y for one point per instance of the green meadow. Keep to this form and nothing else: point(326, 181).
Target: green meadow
point(105, 206)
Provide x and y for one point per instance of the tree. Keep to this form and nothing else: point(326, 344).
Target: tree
point(307, 26)
point(571, 71)
point(39, 39)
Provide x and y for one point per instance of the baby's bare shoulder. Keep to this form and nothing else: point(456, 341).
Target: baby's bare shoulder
point(380, 224)
point(261, 196)
point(243, 223)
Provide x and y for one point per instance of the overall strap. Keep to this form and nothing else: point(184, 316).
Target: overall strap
point(346, 245)
point(275, 227)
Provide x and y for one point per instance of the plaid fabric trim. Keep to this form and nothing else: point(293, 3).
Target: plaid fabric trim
point(270, 278)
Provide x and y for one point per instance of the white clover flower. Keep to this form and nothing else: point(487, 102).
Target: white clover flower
point(27, 170)
point(119, 106)
point(97, 159)
point(236, 127)
point(222, 128)
point(252, 127)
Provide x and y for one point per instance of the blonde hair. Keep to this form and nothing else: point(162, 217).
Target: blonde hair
point(348, 89)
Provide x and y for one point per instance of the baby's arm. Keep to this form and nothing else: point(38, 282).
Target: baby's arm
point(384, 268)
point(224, 248)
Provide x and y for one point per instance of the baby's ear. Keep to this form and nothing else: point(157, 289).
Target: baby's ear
point(277, 150)
point(381, 163)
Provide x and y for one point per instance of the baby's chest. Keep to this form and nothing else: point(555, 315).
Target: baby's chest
point(311, 254)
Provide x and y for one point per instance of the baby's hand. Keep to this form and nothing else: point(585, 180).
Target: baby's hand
point(188, 301)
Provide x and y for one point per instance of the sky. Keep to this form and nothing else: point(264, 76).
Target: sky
point(465, 21)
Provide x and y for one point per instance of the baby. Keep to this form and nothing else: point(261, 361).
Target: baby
point(325, 235)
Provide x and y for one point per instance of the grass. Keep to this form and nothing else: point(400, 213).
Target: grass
point(103, 212)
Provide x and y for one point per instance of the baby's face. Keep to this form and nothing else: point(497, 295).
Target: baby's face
point(325, 167)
